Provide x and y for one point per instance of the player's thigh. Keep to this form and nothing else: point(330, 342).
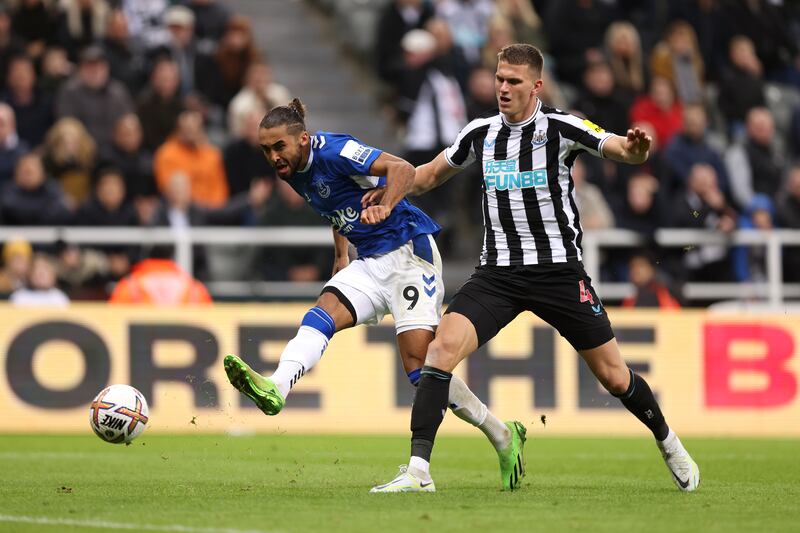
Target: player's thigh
point(357, 291)
point(413, 346)
point(338, 308)
point(607, 364)
point(566, 300)
point(414, 290)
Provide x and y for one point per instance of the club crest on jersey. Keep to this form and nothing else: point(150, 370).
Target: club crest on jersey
point(539, 137)
point(322, 189)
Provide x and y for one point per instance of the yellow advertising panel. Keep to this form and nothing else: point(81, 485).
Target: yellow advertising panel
point(713, 374)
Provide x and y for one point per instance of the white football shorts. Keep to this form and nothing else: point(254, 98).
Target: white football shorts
point(406, 282)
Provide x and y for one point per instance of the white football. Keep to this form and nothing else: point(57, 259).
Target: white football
point(118, 414)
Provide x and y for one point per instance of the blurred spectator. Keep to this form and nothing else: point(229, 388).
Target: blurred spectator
point(794, 134)
point(500, 35)
point(259, 92)
point(601, 100)
point(41, 290)
point(32, 199)
point(160, 103)
point(287, 208)
point(244, 160)
point(691, 147)
point(192, 60)
point(594, 210)
point(712, 26)
point(678, 59)
point(10, 45)
point(576, 28)
point(448, 55)
point(741, 86)
point(431, 100)
point(649, 291)
point(188, 151)
point(525, 22)
point(93, 98)
point(144, 21)
point(755, 164)
point(178, 211)
point(235, 53)
point(469, 24)
point(642, 210)
point(70, 156)
point(211, 18)
point(11, 147)
point(33, 109)
point(125, 58)
point(132, 160)
point(36, 22)
point(84, 22)
point(749, 261)
point(17, 255)
point(660, 108)
point(107, 206)
point(396, 19)
point(159, 281)
point(769, 28)
point(789, 217)
point(56, 71)
point(82, 273)
point(703, 206)
point(481, 97)
point(624, 50)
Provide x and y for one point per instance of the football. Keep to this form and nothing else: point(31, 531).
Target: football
point(118, 414)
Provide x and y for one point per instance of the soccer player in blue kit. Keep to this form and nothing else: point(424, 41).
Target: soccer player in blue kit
point(398, 271)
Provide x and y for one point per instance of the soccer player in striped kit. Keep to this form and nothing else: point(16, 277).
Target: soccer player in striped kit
point(531, 259)
point(398, 270)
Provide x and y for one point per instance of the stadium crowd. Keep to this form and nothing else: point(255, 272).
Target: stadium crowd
point(716, 83)
point(144, 113)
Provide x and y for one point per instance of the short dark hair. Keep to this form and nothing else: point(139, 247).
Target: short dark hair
point(522, 54)
point(291, 115)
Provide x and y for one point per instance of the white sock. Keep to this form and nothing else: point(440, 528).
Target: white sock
point(420, 468)
point(298, 357)
point(668, 442)
point(466, 406)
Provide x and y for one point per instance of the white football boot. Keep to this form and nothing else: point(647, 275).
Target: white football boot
point(405, 482)
point(685, 471)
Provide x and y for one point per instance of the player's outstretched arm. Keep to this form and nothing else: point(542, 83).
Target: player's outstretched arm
point(432, 174)
point(341, 257)
point(399, 179)
point(633, 148)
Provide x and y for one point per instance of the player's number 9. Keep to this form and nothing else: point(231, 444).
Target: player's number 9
point(411, 294)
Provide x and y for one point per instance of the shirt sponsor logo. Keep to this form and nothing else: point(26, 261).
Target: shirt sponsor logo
point(355, 152)
point(341, 219)
point(592, 126)
point(503, 176)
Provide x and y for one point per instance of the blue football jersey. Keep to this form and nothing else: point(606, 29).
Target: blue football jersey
point(334, 180)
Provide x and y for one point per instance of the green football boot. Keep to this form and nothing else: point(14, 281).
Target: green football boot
point(512, 458)
point(261, 390)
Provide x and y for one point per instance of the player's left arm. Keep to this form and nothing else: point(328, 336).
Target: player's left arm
point(634, 148)
point(399, 179)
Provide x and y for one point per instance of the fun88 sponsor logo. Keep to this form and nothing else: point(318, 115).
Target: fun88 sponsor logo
point(503, 176)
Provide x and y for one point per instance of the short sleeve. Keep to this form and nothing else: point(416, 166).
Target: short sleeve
point(348, 155)
point(583, 133)
point(462, 152)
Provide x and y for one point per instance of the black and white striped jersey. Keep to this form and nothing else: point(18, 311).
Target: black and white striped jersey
point(529, 209)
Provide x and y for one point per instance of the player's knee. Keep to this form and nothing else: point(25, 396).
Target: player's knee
point(615, 380)
point(442, 353)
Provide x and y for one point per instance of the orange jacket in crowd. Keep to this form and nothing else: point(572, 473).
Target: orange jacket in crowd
point(159, 282)
point(203, 164)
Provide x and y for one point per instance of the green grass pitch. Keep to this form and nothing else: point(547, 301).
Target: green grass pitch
point(287, 483)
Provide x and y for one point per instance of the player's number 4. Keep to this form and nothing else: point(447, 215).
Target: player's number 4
point(411, 293)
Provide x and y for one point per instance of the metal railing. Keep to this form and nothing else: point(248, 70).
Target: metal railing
point(773, 290)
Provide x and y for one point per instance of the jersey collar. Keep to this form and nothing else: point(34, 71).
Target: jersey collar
point(527, 120)
point(310, 160)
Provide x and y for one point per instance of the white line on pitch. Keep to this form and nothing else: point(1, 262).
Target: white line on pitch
point(101, 524)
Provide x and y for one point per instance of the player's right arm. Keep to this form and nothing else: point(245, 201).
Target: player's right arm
point(341, 258)
point(432, 174)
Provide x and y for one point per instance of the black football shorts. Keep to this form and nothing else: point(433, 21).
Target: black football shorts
point(560, 294)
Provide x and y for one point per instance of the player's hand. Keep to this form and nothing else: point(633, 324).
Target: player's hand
point(340, 263)
point(637, 144)
point(372, 197)
point(375, 214)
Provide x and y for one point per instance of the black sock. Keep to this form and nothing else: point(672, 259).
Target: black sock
point(639, 400)
point(428, 410)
